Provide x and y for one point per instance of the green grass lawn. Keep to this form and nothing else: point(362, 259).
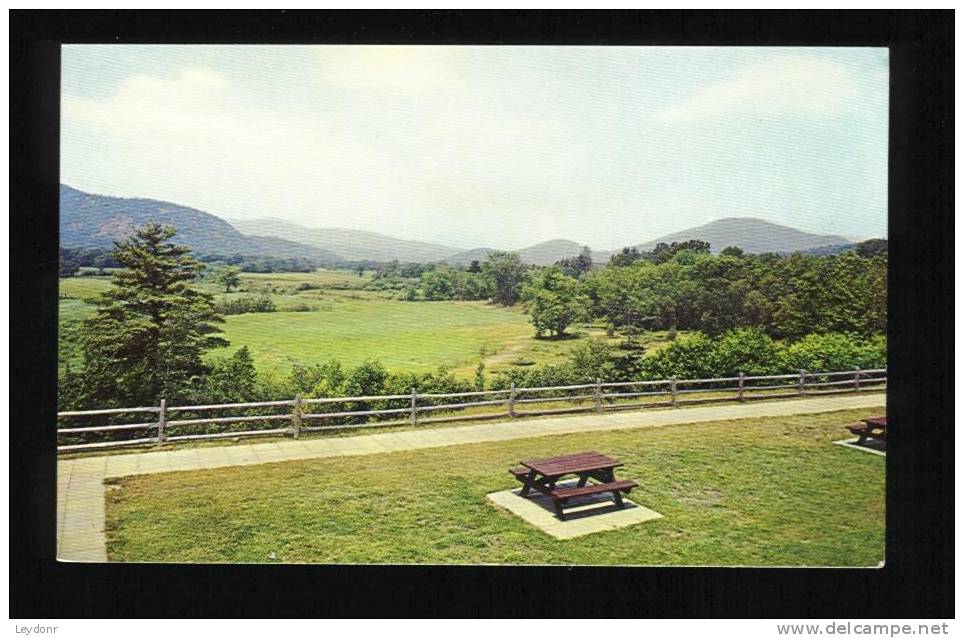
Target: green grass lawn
point(771, 491)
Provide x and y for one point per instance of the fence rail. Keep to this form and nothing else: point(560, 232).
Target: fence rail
point(603, 396)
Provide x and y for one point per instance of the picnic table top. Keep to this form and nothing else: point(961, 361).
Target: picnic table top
point(876, 421)
point(571, 463)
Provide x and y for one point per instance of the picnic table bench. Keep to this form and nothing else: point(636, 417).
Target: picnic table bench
point(874, 427)
point(542, 475)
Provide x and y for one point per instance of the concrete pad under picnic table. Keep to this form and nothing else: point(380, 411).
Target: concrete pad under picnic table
point(587, 515)
point(870, 445)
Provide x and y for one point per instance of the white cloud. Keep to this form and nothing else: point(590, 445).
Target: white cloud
point(791, 86)
point(186, 130)
point(389, 68)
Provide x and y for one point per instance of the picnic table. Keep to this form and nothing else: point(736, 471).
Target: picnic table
point(874, 427)
point(542, 475)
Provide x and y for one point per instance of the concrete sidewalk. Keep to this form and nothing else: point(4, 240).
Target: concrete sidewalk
point(80, 482)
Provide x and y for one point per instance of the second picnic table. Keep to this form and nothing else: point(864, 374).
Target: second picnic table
point(542, 475)
point(874, 427)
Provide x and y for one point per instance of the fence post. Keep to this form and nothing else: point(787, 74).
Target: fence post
point(414, 415)
point(856, 378)
point(597, 395)
point(161, 421)
point(512, 399)
point(739, 391)
point(296, 417)
point(801, 382)
point(673, 390)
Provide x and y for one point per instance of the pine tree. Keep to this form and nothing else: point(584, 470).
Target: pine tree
point(150, 329)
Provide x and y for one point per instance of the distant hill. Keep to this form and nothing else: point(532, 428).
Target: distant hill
point(96, 221)
point(752, 235)
point(353, 245)
point(468, 256)
point(542, 254)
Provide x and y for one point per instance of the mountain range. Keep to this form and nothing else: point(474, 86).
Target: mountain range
point(351, 245)
point(96, 221)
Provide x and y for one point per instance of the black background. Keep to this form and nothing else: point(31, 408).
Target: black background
point(917, 580)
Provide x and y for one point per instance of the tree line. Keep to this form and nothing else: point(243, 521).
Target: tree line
point(73, 259)
point(679, 286)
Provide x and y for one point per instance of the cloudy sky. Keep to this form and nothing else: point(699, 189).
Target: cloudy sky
point(493, 146)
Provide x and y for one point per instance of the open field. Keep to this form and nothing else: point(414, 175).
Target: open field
point(323, 278)
point(418, 336)
point(351, 325)
point(771, 491)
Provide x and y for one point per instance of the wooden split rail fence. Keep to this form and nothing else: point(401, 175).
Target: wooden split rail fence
point(300, 416)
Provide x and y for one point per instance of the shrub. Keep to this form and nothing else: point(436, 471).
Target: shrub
point(747, 350)
point(231, 379)
point(550, 375)
point(440, 381)
point(366, 379)
point(319, 380)
point(689, 357)
point(243, 305)
point(302, 307)
point(593, 359)
point(834, 352)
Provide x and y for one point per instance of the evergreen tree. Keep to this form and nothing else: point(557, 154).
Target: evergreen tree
point(150, 329)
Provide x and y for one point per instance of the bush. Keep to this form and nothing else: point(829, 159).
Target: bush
point(301, 307)
point(243, 305)
point(689, 357)
point(319, 380)
point(747, 350)
point(365, 380)
point(550, 375)
point(593, 359)
point(440, 381)
point(232, 379)
point(834, 352)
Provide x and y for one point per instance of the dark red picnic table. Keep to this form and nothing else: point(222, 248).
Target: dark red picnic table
point(542, 475)
point(874, 427)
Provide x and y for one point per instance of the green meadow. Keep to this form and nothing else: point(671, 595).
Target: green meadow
point(327, 314)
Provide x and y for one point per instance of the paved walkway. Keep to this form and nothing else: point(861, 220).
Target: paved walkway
point(80, 482)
